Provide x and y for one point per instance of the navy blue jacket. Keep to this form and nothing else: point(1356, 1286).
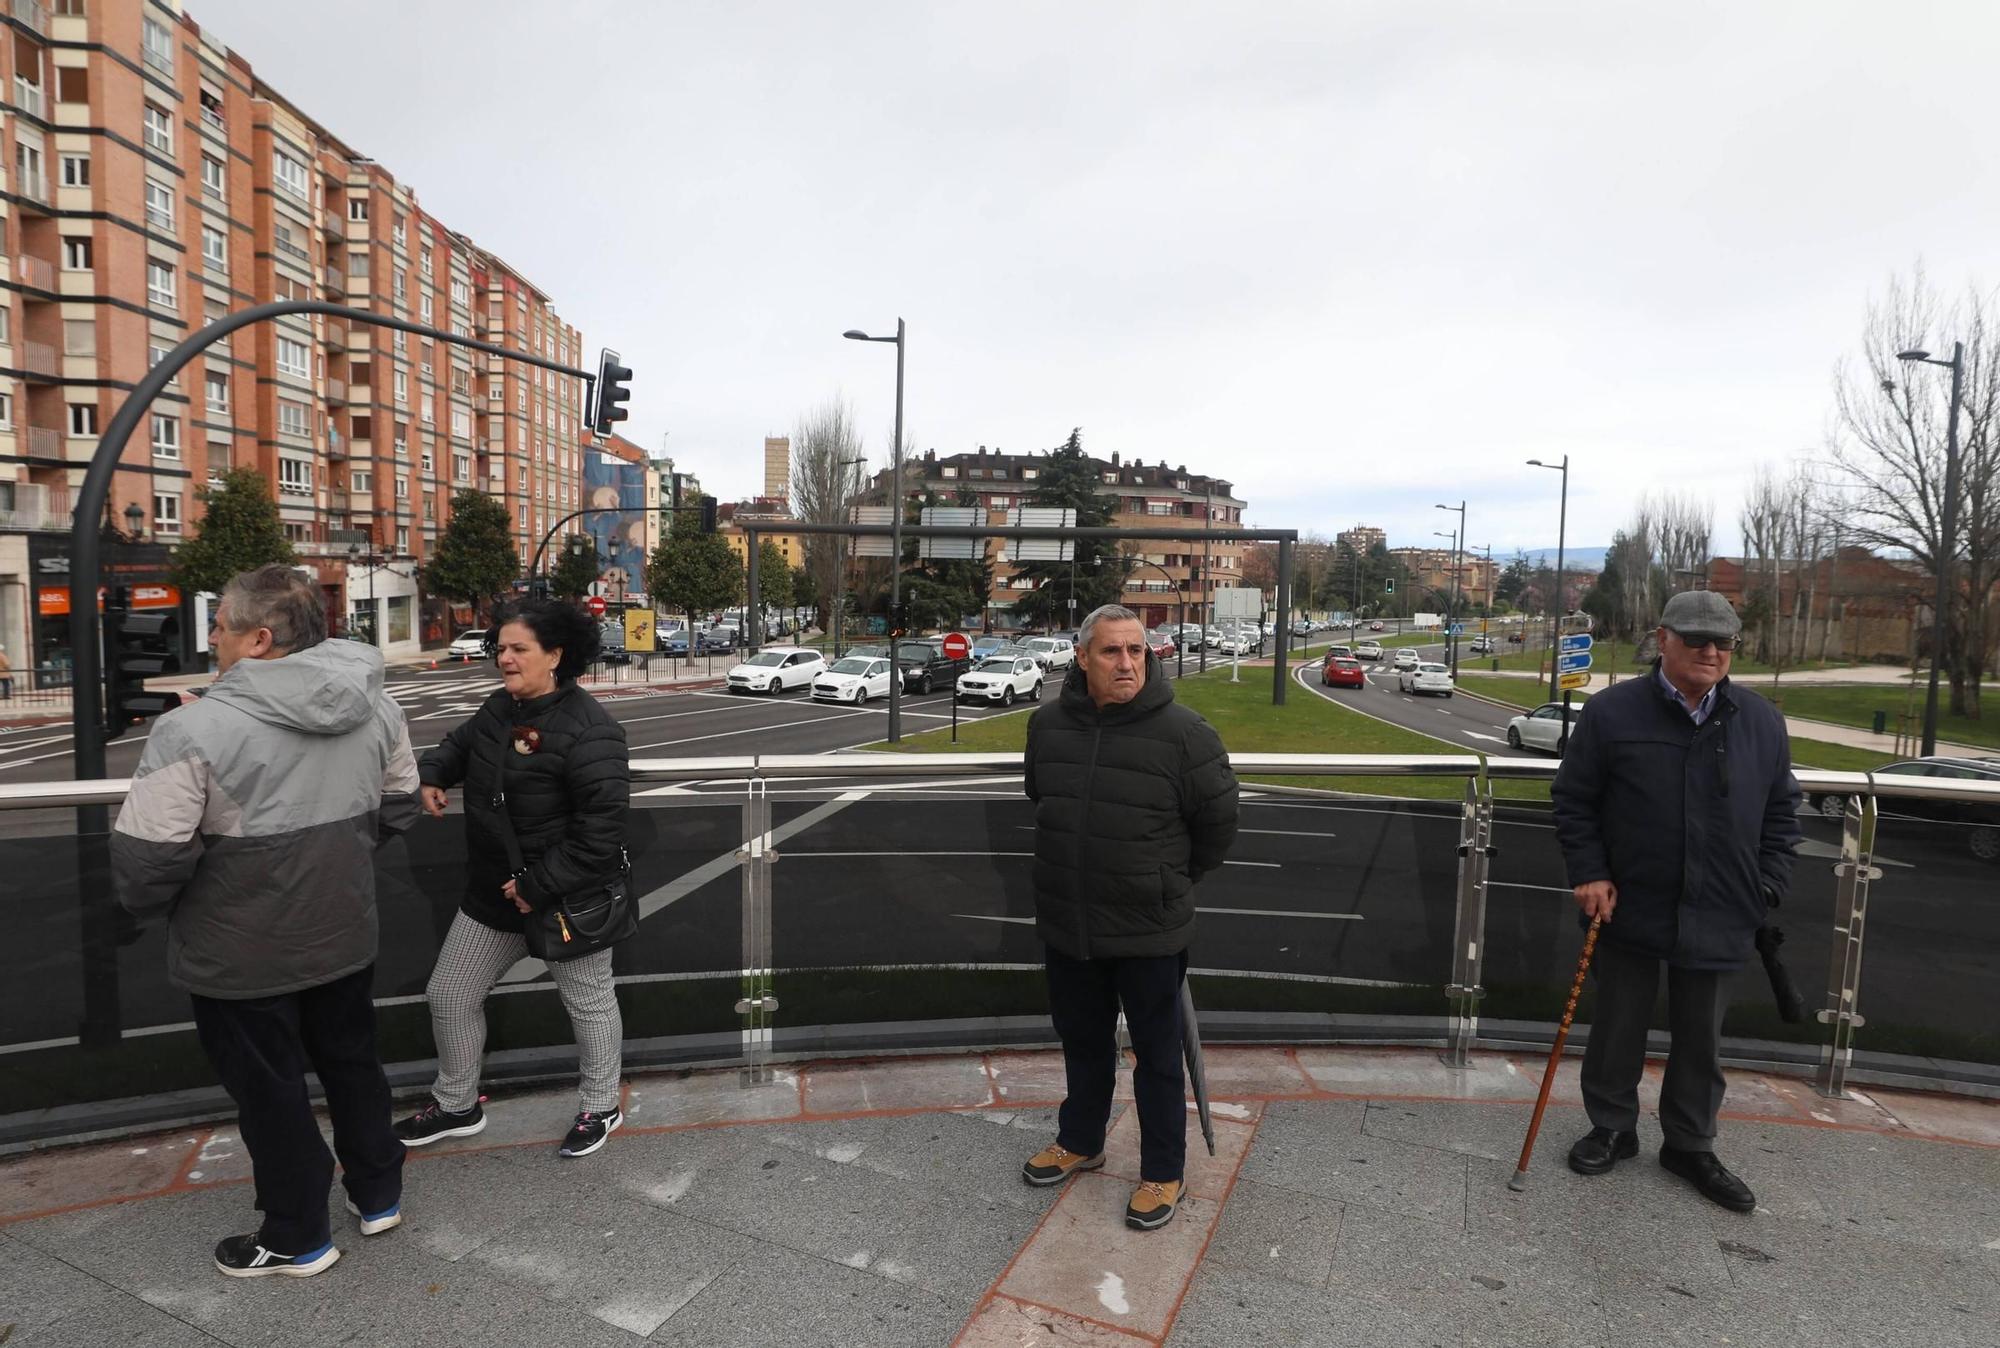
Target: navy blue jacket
point(1693, 824)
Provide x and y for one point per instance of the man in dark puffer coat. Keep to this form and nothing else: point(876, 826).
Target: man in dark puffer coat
point(1134, 802)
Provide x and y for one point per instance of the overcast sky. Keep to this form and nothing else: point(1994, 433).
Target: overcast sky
point(1356, 257)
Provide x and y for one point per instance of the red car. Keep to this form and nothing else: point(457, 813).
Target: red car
point(1161, 645)
point(1339, 671)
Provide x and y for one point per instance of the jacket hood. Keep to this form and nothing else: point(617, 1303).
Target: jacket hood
point(329, 689)
point(1158, 692)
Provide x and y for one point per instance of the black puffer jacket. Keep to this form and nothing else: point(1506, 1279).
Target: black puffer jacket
point(1133, 804)
point(1694, 824)
point(567, 798)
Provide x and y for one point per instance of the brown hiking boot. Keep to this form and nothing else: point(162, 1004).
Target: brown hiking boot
point(1055, 1163)
point(1153, 1204)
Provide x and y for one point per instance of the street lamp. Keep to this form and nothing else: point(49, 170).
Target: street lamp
point(895, 531)
point(1947, 530)
point(1457, 546)
point(840, 600)
point(354, 555)
point(135, 521)
point(1562, 523)
point(1180, 634)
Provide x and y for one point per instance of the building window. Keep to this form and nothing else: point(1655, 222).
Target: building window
point(948, 471)
point(427, 463)
point(402, 287)
point(214, 248)
point(167, 513)
point(212, 177)
point(357, 208)
point(290, 175)
point(6, 411)
point(83, 418)
point(166, 437)
point(425, 257)
point(461, 467)
point(1031, 473)
point(402, 488)
point(218, 393)
point(403, 538)
point(76, 170)
point(211, 107)
point(79, 336)
point(402, 386)
point(159, 129)
point(424, 409)
point(28, 169)
point(524, 477)
point(461, 423)
point(292, 419)
point(430, 508)
point(158, 46)
point(160, 287)
point(424, 306)
point(459, 293)
point(292, 358)
point(361, 479)
point(76, 254)
point(295, 477)
point(159, 205)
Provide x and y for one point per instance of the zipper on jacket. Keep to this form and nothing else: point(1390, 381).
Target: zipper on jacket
point(1083, 836)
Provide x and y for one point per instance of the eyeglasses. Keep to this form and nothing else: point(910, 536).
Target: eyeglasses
point(1695, 641)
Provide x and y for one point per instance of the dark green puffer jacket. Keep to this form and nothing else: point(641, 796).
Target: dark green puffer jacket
point(1133, 804)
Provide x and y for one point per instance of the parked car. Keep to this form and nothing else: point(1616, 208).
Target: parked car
point(852, 678)
point(1541, 728)
point(1301, 628)
point(1002, 680)
point(1342, 671)
point(776, 668)
point(1980, 822)
point(1239, 643)
point(926, 667)
point(1482, 646)
point(1368, 650)
point(674, 643)
point(1160, 641)
point(985, 646)
point(1051, 653)
point(1424, 677)
point(1406, 658)
point(468, 645)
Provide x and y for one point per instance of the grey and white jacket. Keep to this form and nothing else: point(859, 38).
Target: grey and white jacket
point(254, 817)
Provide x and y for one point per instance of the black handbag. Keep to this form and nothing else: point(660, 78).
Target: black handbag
point(592, 919)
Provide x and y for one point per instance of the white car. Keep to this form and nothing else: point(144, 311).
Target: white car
point(1542, 727)
point(1239, 643)
point(1368, 650)
point(853, 679)
point(1002, 681)
point(776, 668)
point(468, 645)
point(1406, 658)
point(1052, 653)
point(1424, 678)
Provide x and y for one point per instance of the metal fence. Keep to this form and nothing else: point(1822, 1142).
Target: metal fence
point(754, 947)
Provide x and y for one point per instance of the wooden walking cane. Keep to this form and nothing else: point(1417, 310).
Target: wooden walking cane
point(1520, 1180)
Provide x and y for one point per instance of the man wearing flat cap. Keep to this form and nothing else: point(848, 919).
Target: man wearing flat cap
point(1677, 816)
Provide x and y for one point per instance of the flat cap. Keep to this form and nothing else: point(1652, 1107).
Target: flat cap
point(1701, 613)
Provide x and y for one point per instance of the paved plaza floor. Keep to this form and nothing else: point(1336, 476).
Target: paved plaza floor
point(1356, 1198)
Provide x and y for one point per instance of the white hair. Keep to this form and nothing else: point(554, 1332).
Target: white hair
point(1104, 613)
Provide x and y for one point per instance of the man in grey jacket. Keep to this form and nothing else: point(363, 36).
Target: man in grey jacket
point(252, 824)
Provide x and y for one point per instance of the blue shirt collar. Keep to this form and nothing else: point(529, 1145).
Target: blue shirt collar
point(1701, 710)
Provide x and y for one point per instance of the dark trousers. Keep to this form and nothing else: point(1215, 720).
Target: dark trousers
point(261, 1048)
point(1084, 998)
point(1615, 1058)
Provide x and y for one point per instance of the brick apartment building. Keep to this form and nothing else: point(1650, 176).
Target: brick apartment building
point(154, 183)
point(1146, 494)
point(1432, 569)
point(1860, 605)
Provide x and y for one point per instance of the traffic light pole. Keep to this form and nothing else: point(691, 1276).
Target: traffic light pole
point(86, 693)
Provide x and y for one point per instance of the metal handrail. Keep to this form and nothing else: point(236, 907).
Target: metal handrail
point(863, 766)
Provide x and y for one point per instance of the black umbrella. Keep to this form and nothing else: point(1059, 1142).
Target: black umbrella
point(1197, 1072)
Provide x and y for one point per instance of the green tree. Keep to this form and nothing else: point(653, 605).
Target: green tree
point(805, 591)
point(577, 569)
point(692, 572)
point(1069, 478)
point(239, 531)
point(774, 576)
point(475, 558)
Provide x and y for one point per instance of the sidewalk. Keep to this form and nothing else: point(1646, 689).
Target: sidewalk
point(1357, 1197)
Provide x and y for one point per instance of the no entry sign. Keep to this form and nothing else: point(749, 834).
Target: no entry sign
point(957, 645)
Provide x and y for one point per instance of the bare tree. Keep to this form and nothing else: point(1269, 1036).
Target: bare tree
point(825, 444)
point(1762, 523)
point(1890, 444)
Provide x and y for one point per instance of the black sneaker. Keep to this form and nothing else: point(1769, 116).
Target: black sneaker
point(244, 1257)
point(434, 1121)
point(375, 1223)
point(589, 1132)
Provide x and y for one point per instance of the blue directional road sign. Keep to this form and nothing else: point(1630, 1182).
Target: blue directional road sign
point(1572, 642)
point(1573, 662)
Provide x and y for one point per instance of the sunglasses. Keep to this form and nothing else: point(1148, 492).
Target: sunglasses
point(1694, 641)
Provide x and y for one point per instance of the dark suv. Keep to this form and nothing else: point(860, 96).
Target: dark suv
point(927, 667)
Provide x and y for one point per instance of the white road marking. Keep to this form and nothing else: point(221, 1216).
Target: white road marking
point(726, 734)
point(1283, 912)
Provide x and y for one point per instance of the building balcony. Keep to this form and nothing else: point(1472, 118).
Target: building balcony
point(33, 188)
point(39, 360)
point(336, 281)
point(336, 390)
point(336, 334)
point(30, 13)
point(29, 99)
point(292, 250)
point(42, 442)
point(38, 272)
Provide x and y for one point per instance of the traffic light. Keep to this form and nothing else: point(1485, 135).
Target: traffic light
point(1389, 585)
point(613, 391)
point(139, 646)
point(708, 514)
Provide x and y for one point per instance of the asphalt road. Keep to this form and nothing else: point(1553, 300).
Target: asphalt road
point(1463, 722)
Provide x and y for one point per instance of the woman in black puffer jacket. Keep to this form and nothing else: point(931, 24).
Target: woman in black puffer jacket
point(544, 750)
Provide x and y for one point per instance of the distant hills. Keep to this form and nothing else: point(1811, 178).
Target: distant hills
point(1574, 558)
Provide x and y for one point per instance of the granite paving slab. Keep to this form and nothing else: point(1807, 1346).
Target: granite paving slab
point(1277, 1232)
point(784, 1299)
point(1318, 1148)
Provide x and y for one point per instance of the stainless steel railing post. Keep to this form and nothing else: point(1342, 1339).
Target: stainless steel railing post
point(758, 1002)
point(1475, 855)
point(1850, 921)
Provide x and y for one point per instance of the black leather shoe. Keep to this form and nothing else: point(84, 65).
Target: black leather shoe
point(1600, 1149)
point(1706, 1174)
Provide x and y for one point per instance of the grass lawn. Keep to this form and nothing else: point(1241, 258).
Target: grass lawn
point(1856, 704)
point(1243, 715)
